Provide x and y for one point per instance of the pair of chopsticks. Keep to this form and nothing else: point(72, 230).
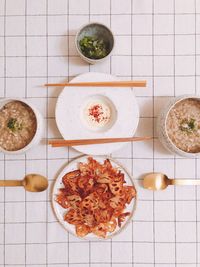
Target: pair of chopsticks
point(67, 143)
point(62, 143)
point(102, 84)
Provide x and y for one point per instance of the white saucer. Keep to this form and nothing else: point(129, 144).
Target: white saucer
point(69, 109)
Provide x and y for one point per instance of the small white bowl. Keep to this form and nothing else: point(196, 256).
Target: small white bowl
point(94, 29)
point(162, 128)
point(38, 135)
point(100, 99)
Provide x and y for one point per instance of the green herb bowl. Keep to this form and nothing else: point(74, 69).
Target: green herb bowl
point(105, 41)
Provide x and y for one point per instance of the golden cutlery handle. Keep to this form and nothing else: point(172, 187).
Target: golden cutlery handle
point(11, 183)
point(185, 182)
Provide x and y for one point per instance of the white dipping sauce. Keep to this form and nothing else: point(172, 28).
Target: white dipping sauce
point(97, 114)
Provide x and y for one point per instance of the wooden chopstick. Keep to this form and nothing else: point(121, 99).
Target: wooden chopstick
point(61, 143)
point(102, 84)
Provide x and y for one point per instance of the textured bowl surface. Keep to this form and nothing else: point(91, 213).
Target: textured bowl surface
point(162, 129)
point(38, 134)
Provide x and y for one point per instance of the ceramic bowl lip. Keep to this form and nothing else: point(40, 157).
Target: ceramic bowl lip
point(177, 100)
point(36, 138)
point(90, 60)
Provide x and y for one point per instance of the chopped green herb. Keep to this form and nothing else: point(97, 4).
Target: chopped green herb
point(188, 126)
point(14, 125)
point(93, 47)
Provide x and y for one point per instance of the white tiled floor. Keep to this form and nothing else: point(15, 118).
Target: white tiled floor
point(156, 40)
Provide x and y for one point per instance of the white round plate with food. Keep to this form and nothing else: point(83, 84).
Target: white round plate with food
point(94, 197)
point(96, 112)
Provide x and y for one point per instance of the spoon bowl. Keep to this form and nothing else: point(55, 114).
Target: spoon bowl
point(31, 183)
point(159, 181)
point(35, 183)
point(156, 181)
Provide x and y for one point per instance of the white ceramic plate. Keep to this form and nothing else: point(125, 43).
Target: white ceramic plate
point(59, 211)
point(70, 105)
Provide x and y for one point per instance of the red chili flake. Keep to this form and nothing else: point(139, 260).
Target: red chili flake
point(96, 111)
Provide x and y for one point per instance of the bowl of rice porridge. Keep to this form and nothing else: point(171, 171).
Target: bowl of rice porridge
point(21, 126)
point(178, 126)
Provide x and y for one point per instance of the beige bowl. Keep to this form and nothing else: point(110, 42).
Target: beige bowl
point(162, 128)
point(39, 129)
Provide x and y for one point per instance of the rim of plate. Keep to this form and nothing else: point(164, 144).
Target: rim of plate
point(55, 205)
point(102, 149)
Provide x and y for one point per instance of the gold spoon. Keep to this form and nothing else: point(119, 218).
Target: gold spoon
point(31, 182)
point(160, 181)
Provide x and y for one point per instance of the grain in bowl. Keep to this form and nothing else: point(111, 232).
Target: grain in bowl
point(183, 125)
point(18, 125)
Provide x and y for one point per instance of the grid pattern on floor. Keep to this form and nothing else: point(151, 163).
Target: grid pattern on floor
point(156, 40)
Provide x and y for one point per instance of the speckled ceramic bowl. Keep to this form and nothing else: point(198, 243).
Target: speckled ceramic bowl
point(98, 30)
point(40, 126)
point(162, 128)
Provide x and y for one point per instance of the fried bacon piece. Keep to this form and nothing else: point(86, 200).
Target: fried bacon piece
point(62, 200)
point(85, 184)
point(129, 193)
point(100, 230)
point(116, 187)
point(74, 201)
point(70, 176)
point(82, 230)
point(122, 217)
point(95, 197)
point(90, 202)
point(111, 225)
point(73, 216)
point(117, 202)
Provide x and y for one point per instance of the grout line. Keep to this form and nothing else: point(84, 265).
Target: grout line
point(110, 61)
point(25, 161)
point(153, 111)
point(89, 18)
point(102, 263)
point(127, 158)
point(97, 14)
point(196, 163)
point(174, 83)
point(114, 241)
point(117, 75)
point(113, 55)
point(135, 220)
point(132, 146)
point(4, 163)
point(68, 241)
point(117, 35)
point(140, 199)
point(47, 125)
